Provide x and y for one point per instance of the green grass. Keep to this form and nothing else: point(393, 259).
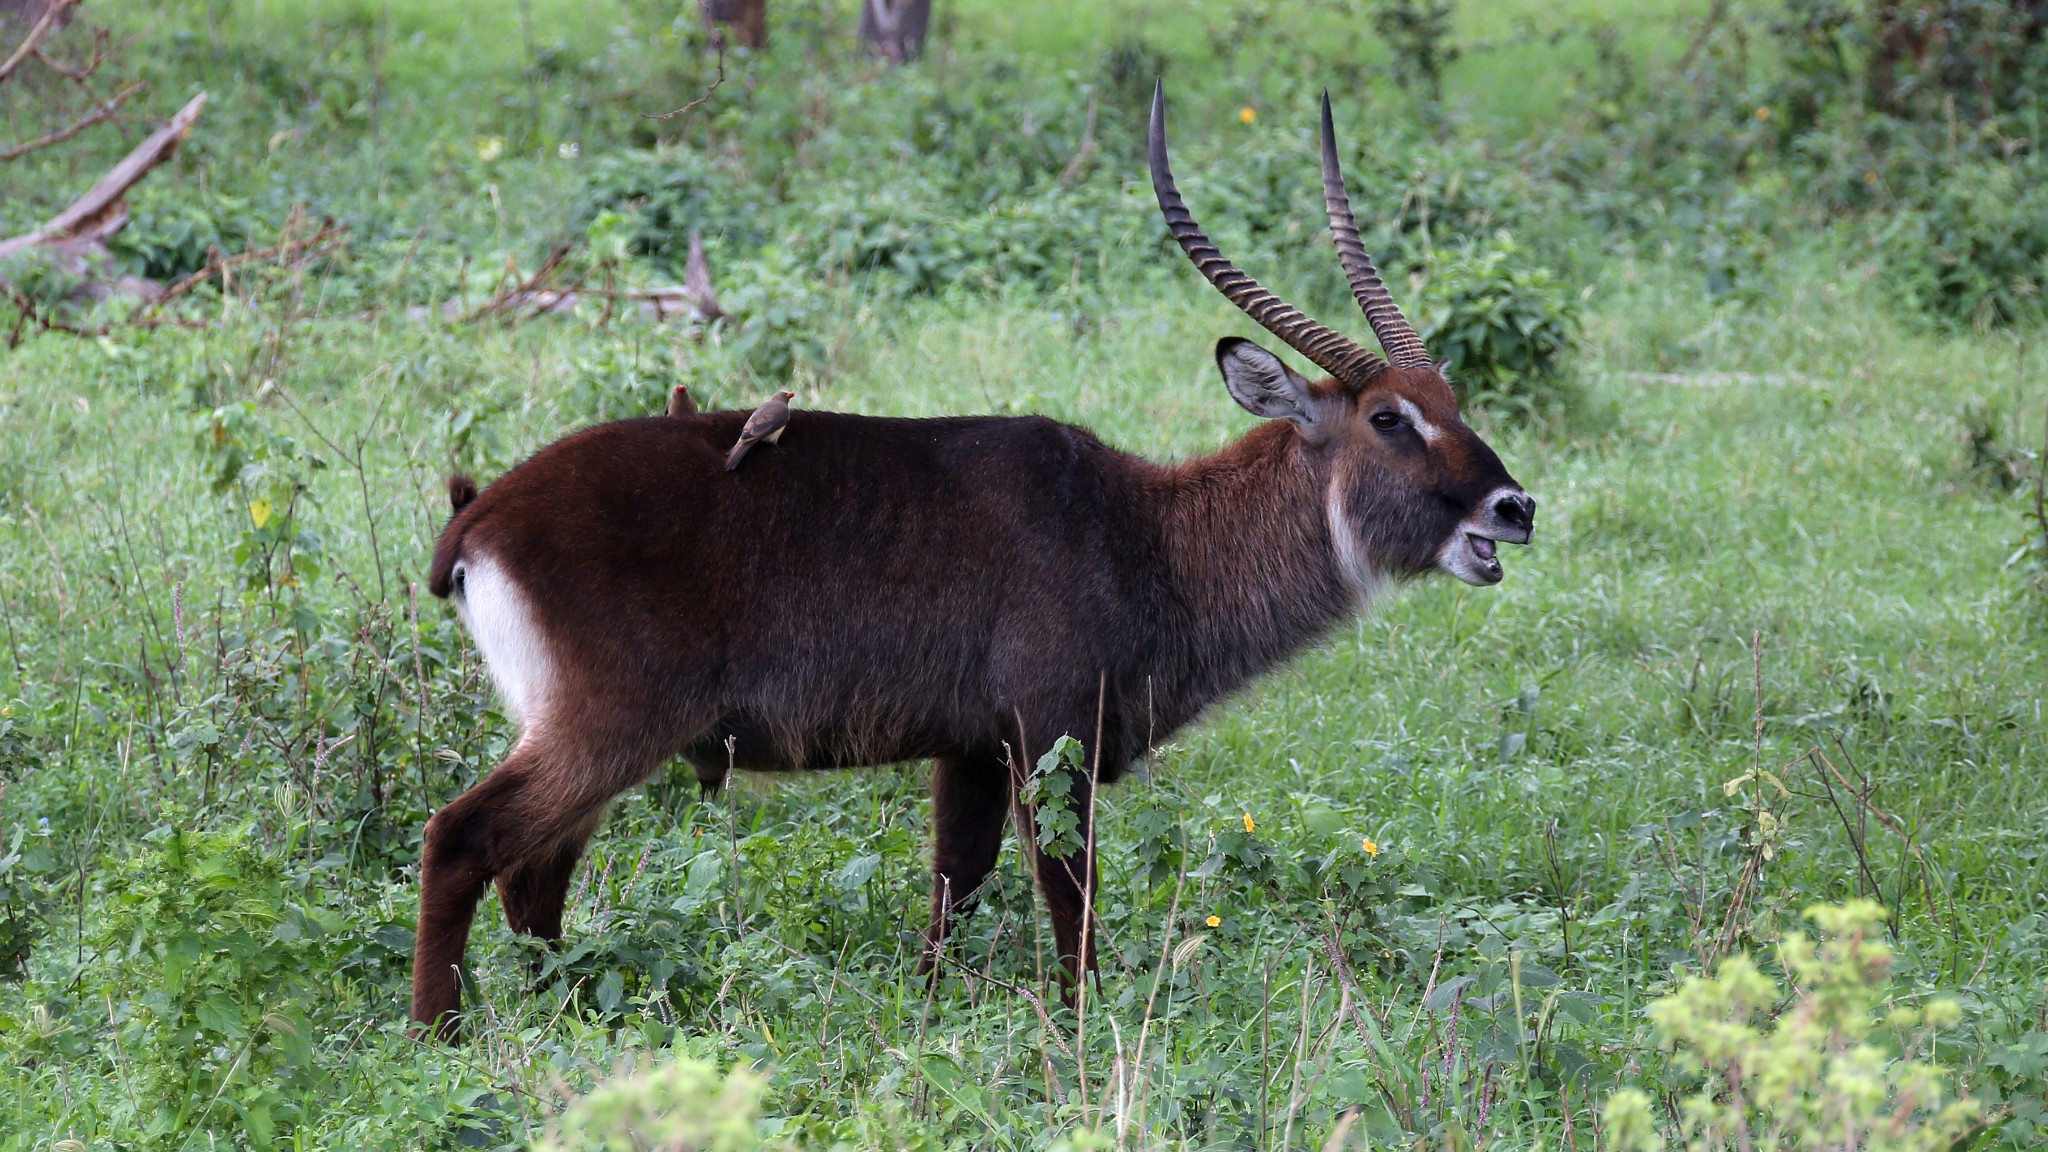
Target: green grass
point(1546, 765)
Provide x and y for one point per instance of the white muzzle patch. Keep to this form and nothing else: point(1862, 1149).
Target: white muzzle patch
point(1470, 554)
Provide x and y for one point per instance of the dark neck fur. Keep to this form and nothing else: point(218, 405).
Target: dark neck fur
point(1251, 573)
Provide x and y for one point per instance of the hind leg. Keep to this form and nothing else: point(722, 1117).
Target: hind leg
point(533, 894)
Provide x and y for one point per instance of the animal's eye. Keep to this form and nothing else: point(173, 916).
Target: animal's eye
point(1386, 421)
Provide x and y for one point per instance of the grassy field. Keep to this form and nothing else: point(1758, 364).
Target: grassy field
point(1770, 649)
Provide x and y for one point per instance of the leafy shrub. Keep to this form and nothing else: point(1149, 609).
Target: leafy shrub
point(915, 240)
point(1129, 67)
point(24, 894)
point(1050, 794)
point(1418, 34)
point(214, 958)
point(1502, 325)
point(615, 384)
point(771, 309)
point(272, 474)
point(1976, 252)
point(1817, 1076)
point(679, 1105)
point(666, 194)
point(1927, 60)
point(170, 238)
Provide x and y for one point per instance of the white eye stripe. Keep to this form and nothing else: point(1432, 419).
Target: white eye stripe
point(1429, 431)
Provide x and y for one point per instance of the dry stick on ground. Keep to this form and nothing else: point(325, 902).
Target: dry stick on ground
point(28, 312)
point(522, 292)
point(1859, 837)
point(51, 15)
point(1890, 824)
point(98, 115)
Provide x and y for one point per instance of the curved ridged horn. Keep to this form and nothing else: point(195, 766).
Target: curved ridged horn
point(1403, 346)
point(1330, 351)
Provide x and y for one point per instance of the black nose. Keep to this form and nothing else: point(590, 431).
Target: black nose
point(1518, 510)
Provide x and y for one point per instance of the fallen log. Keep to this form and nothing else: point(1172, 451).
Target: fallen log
point(84, 227)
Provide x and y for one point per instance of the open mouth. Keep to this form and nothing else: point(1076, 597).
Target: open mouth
point(1474, 558)
point(1483, 565)
point(1472, 554)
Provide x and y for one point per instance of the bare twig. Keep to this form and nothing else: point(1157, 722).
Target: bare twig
point(1084, 153)
point(699, 100)
point(325, 239)
point(1717, 12)
point(98, 115)
point(80, 73)
point(35, 36)
point(1891, 825)
point(31, 314)
point(522, 293)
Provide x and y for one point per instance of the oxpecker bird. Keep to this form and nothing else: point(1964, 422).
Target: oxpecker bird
point(766, 423)
point(680, 402)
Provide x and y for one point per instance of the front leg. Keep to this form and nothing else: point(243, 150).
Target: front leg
point(970, 798)
point(1070, 883)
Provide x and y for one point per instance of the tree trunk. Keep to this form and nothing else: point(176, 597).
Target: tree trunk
point(748, 20)
point(894, 29)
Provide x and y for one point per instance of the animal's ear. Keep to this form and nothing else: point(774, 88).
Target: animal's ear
point(1263, 385)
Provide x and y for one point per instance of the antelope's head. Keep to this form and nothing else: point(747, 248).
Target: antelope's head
point(1408, 487)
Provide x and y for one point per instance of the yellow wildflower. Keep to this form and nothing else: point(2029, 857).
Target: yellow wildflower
point(1371, 849)
point(1763, 112)
point(1214, 921)
point(1249, 825)
point(1870, 178)
point(1246, 115)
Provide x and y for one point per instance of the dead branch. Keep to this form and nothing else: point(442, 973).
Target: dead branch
point(324, 240)
point(81, 73)
point(30, 313)
point(98, 115)
point(51, 16)
point(657, 304)
point(700, 99)
point(103, 210)
point(697, 279)
point(521, 291)
point(1715, 13)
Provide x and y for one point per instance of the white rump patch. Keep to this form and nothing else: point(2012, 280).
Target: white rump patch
point(1365, 580)
point(495, 611)
point(1429, 431)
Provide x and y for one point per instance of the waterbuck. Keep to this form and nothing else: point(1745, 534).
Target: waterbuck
point(964, 590)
